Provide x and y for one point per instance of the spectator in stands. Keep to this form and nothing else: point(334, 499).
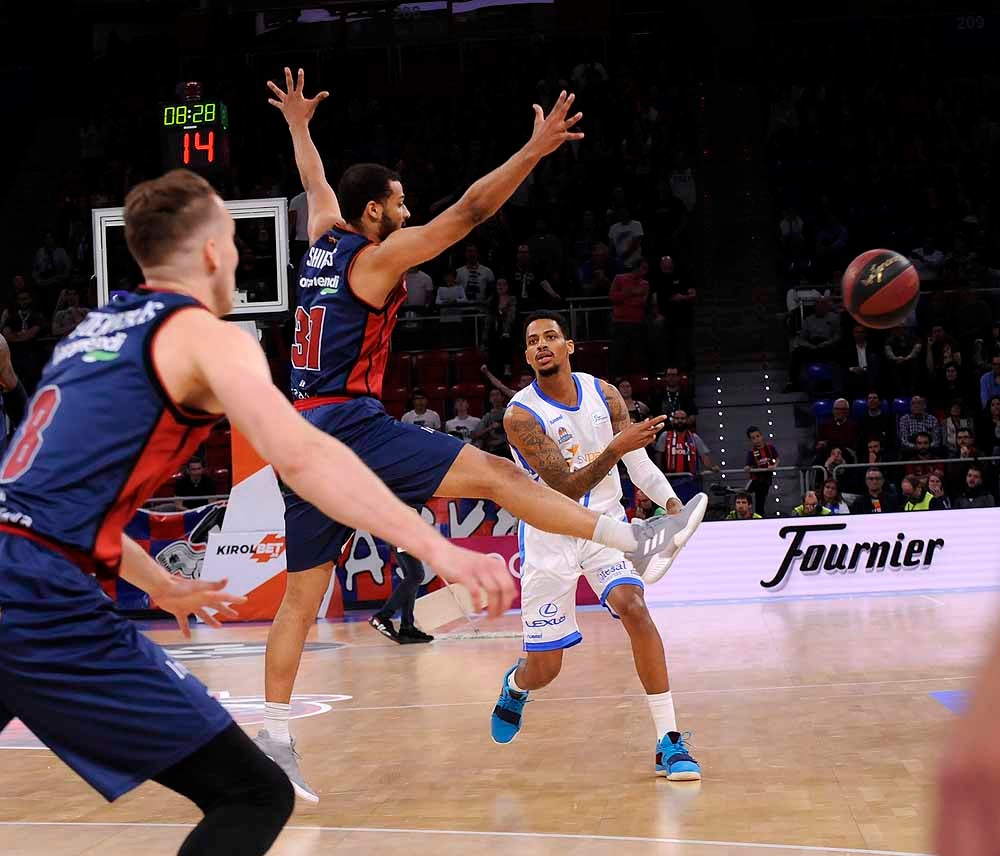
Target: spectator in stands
point(841, 431)
point(862, 363)
point(941, 350)
point(682, 183)
point(917, 420)
point(52, 265)
point(928, 260)
point(989, 430)
point(975, 494)
point(760, 456)
point(989, 383)
point(948, 387)
point(531, 288)
point(476, 279)
point(420, 415)
point(679, 450)
point(915, 496)
point(643, 508)
point(598, 272)
point(831, 245)
point(68, 312)
point(462, 424)
point(523, 380)
point(672, 324)
point(21, 326)
point(877, 422)
point(501, 328)
point(451, 293)
point(902, 356)
point(743, 508)
point(490, 436)
point(972, 319)
point(935, 488)
point(956, 422)
point(637, 410)
point(674, 398)
point(419, 289)
point(586, 237)
point(989, 347)
point(919, 455)
point(832, 498)
point(667, 218)
point(193, 485)
point(817, 341)
point(875, 499)
point(625, 236)
point(629, 296)
point(833, 460)
point(811, 506)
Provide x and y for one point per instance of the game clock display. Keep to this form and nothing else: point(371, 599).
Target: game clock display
point(195, 135)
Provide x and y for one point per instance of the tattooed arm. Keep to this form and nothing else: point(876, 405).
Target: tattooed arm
point(543, 455)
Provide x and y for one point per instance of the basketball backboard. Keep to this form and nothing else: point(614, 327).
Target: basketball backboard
point(262, 238)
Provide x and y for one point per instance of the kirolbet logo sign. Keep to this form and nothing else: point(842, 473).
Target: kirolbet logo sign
point(812, 550)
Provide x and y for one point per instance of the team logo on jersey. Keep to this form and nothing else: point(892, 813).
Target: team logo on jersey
point(600, 418)
point(245, 710)
point(564, 435)
point(99, 356)
point(326, 284)
point(95, 349)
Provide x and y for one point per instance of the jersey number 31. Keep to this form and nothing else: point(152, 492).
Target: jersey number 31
point(308, 336)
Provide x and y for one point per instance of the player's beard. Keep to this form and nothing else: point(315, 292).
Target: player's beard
point(386, 227)
point(549, 372)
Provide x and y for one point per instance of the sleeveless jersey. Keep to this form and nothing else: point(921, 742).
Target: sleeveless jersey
point(580, 432)
point(100, 434)
point(680, 452)
point(341, 344)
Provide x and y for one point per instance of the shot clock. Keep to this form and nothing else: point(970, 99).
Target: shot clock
point(195, 135)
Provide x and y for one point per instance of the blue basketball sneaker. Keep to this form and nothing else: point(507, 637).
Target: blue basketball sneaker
point(506, 719)
point(673, 760)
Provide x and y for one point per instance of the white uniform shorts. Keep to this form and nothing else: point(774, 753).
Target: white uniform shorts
point(551, 565)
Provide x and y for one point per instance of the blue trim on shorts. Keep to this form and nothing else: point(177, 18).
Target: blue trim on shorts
point(574, 638)
point(600, 392)
point(586, 499)
point(541, 422)
point(520, 542)
point(544, 397)
point(622, 581)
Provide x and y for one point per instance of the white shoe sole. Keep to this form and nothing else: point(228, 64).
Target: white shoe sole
point(302, 793)
point(679, 777)
point(661, 564)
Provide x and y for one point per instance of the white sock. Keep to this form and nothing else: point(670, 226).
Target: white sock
point(615, 533)
point(276, 720)
point(513, 684)
point(661, 705)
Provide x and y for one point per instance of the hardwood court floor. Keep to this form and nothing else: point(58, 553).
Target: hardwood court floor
point(812, 719)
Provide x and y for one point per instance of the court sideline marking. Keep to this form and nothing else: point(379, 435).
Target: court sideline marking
point(811, 848)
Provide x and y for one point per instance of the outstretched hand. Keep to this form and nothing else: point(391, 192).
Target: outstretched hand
point(184, 597)
point(553, 130)
point(292, 102)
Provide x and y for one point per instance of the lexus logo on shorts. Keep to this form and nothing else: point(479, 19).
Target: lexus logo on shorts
point(548, 610)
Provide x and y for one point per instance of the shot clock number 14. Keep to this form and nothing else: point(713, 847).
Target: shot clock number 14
point(196, 135)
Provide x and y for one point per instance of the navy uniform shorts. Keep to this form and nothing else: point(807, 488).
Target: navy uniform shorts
point(98, 693)
point(411, 460)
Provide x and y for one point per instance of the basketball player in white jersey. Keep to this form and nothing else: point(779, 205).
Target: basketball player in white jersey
point(569, 430)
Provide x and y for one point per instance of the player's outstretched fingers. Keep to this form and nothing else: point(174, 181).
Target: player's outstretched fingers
point(205, 616)
point(290, 87)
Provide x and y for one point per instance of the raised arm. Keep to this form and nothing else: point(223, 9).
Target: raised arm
point(499, 384)
point(216, 367)
point(324, 210)
point(543, 455)
point(405, 248)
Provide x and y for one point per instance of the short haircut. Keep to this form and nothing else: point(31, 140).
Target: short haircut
point(361, 184)
point(744, 495)
point(920, 434)
point(547, 315)
point(196, 460)
point(162, 212)
point(753, 428)
point(975, 468)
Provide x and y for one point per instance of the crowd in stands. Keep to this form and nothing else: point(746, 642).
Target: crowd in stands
point(906, 419)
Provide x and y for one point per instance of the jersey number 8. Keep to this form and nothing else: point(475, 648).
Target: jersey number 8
point(40, 416)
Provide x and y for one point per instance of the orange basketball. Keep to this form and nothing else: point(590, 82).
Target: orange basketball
point(881, 289)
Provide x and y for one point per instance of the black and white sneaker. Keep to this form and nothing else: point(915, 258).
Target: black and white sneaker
point(661, 538)
point(385, 627)
point(411, 635)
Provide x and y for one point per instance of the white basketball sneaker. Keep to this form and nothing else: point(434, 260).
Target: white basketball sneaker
point(661, 538)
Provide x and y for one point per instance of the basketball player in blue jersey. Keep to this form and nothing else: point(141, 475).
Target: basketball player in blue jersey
point(126, 398)
point(351, 285)
point(570, 430)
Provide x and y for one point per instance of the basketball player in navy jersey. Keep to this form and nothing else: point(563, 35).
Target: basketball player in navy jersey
point(126, 398)
point(351, 285)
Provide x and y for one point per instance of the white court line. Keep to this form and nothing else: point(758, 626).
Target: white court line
point(729, 691)
point(561, 836)
point(933, 599)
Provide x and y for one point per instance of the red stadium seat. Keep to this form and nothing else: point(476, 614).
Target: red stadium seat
point(467, 364)
point(431, 368)
point(642, 385)
point(592, 358)
point(474, 393)
point(437, 397)
point(399, 371)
